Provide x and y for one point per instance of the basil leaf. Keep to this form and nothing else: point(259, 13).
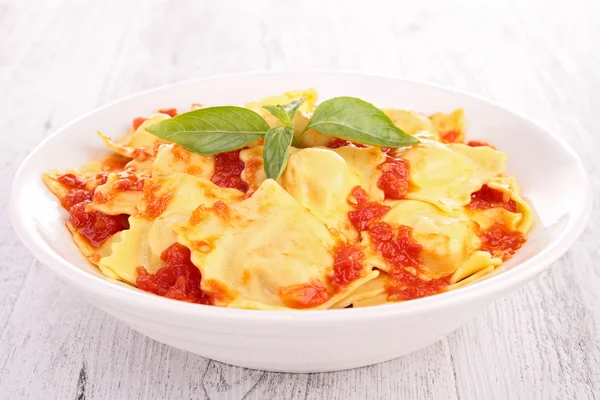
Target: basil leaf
point(286, 112)
point(212, 130)
point(354, 119)
point(276, 150)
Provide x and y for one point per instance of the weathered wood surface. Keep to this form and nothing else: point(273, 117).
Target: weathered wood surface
point(60, 58)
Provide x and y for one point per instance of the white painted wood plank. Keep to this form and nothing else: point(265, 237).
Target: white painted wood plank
point(61, 58)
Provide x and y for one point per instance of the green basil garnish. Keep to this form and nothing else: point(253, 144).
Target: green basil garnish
point(356, 120)
point(285, 113)
point(276, 150)
point(212, 130)
point(215, 130)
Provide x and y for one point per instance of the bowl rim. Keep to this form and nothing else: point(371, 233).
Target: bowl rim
point(495, 285)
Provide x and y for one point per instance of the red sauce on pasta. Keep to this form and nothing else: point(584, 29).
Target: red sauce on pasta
point(487, 197)
point(137, 122)
point(141, 155)
point(304, 295)
point(228, 170)
point(219, 208)
point(500, 242)
point(479, 143)
point(397, 247)
point(155, 204)
point(403, 255)
point(449, 137)
point(179, 279)
point(169, 111)
point(101, 178)
point(337, 143)
point(95, 226)
point(71, 181)
point(76, 196)
point(129, 182)
point(394, 179)
point(404, 285)
point(365, 212)
point(347, 265)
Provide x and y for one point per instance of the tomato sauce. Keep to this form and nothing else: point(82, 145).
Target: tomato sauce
point(403, 255)
point(396, 246)
point(95, 226)
point(228, 170)
point(155, 205)
point(179, 279)
point(365, 212)
point(487, 197)
point(449, 137)
point(220, 209)
point(101, 178)
point(71, 181)
point(403, 285)
point(479, 143)
point(137, 122)
point(347, 265)
point(76, 196)
point(394, 179)
point(500, 242)
point(337, 143)
point(169, 111)
point(141, 155)
point(253, 165)
point(304, 295)
point(129, 183)
point(181, 154)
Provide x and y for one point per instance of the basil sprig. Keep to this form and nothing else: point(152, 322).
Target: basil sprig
point(276, 150)
point(356, 120)
point(278, 140)
point(215, 130)
point(286, 112)
point(212, 130)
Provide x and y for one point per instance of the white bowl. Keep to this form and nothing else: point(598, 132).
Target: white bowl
point(551, 175)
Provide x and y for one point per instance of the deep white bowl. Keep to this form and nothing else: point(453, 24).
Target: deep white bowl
point(551, 175)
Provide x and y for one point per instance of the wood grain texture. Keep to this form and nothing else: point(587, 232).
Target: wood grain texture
point(60, 58)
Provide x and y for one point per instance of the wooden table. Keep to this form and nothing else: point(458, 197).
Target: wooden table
point(61, 58)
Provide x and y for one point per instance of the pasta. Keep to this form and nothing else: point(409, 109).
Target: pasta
point(344, 225)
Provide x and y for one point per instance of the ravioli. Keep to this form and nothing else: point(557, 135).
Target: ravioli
point(167, 201)
point(119, 195)
point(364, 163)
point(347, 226)
point(253, 252)
point(520, 221)
point(447, 175)
point(447, 238)
point(321, 180)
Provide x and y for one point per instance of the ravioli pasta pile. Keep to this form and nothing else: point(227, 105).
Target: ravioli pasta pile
point(345, 224)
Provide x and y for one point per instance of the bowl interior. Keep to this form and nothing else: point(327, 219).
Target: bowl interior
point(549, 173)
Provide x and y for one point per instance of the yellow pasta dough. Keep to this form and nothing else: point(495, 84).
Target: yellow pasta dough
point(212, 229)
